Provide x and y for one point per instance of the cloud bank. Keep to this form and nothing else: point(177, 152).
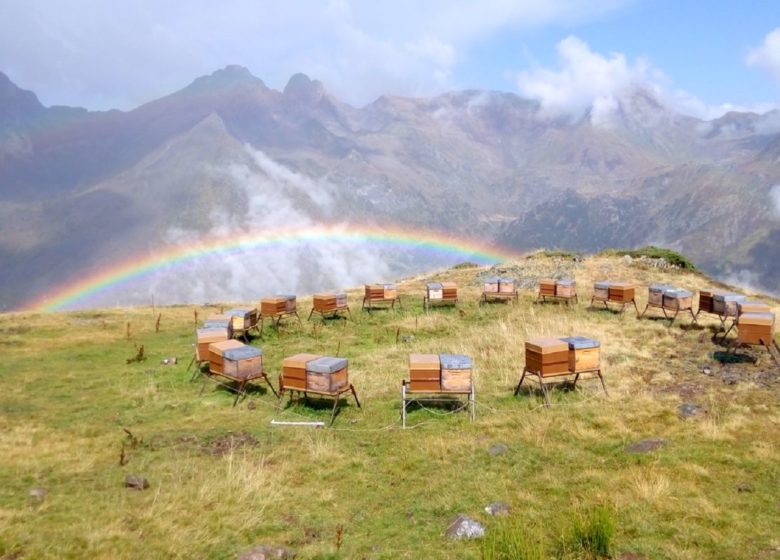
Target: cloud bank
point(767, 55)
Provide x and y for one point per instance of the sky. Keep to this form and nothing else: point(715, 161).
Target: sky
point(701, 58)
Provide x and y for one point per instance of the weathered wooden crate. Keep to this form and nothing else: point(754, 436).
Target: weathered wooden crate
point(565, 288)
point(677, 299)
point(756, 328)
point(272, 306)
point(584, 353)
point(725, 304)
point(752, 307)
point(204, 337)
point(435, 291)
point(424, 372)
point(294, 371)
point(455, 373)
point(655, 293)
point(331, 301)
point(375, 291)
point(547, 356)
point(449, 290)
point(547, 287)
point(705, 301)
point(490, 285)
point(216, 354)
point(327, 375)
point(507, 285)
point(601, 290)
point(242, 363)
point(244, 318)
point(622, 292)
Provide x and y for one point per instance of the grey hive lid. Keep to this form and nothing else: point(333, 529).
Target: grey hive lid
point(242, 353)
point(454, 361)
point(580, 342)
point(660, 287)
point(506, 280)
point(729, 297)
point(602, 284)
point(491, 280)
point(566, 282)
point(285, 296)
point(341, 295)
point(434, 285)
point(207, 330)
point(326, 364)
point(389, 286)
point(216, 324)
point(238, 312)
point(677, 293)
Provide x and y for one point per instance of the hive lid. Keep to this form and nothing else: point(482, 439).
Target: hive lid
point(759, 318)
point(210, 331)
point(580, 342)
point(239, 311)
point(621, 285)
point(326, 364)
point(341, 295)
point(729, 297)
point(491, 279)
point(660, 287)
point(299, 359)
point(285, 297)
point(566, 282)
point(221, 347)
point(420, 360)
point(325, 295)
point(547, 345)
point(454, 361)
point(434, 285)
point(449, 285)
point(602, 284)
point(217, 324)
point(677, 293)
point(242, 353)
point(507, 280)
point(388, 286)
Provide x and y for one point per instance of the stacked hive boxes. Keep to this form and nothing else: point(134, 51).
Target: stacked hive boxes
point(584, 353)
point(277, 305)
point(546, 287)
point(244, 318)
point(506, 285)
point(440, 373)
point(725, 304)
point(705, 301)
point(601, 290)
point(294, 371)
point(449, 290)
point(455, 373)
point(752, 307)
point(217, 354)
point(318, 374)
point(424, 372)
point(756, 328)
point(547, 356)
point(435, 291)
point(621, 292)
point(242, 363)
point(220, 321)
point(655, 294)
point(565, 288)
point(324, 303)
point(204, 337)
point(677, 299)
point(381, 291)
point(491, 285)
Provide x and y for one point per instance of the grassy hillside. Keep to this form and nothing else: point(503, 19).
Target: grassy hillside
point(223, 479)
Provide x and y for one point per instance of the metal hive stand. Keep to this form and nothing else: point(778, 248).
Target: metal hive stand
point(542, 383)
point(622, 304)
point(435, 396)
point(242, 383)
point(488, 297)
point(305, 392)
point(331, 313)
point(673, 317)
point(371, 302)
point(428, 303)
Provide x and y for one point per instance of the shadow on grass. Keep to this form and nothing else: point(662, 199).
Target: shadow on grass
point(724, 357)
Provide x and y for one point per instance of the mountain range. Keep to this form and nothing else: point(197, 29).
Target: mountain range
point(82, 190)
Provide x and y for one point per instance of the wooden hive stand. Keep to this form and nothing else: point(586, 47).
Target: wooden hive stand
point(237, 362)
point(440, 293)
point(757, 329)
point(384, 294)
point(563, 290)
point(549, 359)
point(319, 375)
point(438, 377)
point(499, 289)
point(276, 308)
point(330, 304)
point(621, 293)
point(245, 319)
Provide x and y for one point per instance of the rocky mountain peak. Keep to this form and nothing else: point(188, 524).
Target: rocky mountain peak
point(16, 104)
point(301, 89)
point(229, 77)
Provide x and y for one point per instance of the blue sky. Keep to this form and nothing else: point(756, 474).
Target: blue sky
point(696, 55)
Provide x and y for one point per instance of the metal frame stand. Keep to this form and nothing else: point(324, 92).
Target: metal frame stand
point(666, 316)
point(277, 318)
point(244, 332)
point(623, 304)
point(198, 367)
point(488, 297)
point(331, 313)
point(567, 299)
point(242, 383)
point(428, 303)
point(543, 384)
point(335, 396)
point(406, 400)
point(771, 347)
point(371, 307)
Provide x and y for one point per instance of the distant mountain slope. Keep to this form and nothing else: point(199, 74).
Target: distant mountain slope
point(80, 190)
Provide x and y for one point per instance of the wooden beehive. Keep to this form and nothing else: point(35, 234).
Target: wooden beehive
point(565, 288)
point(245, 362)
point(449, 290)
point(435, 291)
point(244, 318)
point(655, 294)
point(752, 307)
point(324, 303)
point(756, 328)
point(220, 321)
point(601, 290)
point(490, 285)
point(290, 303)
point(375, 291)
point(327, 374)
point(216, 352)
point(621, 292)
point(506, 285)
point(546, 287)
point(204, 337)
point(678, 300)
point(455, 373)
point(294, 371)
point(725, 304)
point(390, 291)
point(584, 353)
point(424, 372)
point(547, 356)
point(705, 301)
point(277, 305)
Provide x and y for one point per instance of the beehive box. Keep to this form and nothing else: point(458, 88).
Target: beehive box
point(424, 372)
point(341, 300)
point(327, 375)
point(547, 356)
point(756, 328)
point(546, 287)
point(390, 291)
point(271, 306)
point(490, 285)
point(244, 318)
point(245, 362)
point(584, 353)
point(324, 303)
point(677, 299)
point(565, 288)
point(220, 321)
point(294, 371)
point(655, 293)
point(601, 290)
point(216, 353)
point(621, 292)
point(375, 291)
point(435, 291)
point(506, 285)
point(449, 290)
point(752, 307)
point(204, 337)
point(725, 304)
point(705, 301)
point(455, 373)
point(290, 302)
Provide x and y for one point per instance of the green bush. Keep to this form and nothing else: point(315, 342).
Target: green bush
point(653, 252)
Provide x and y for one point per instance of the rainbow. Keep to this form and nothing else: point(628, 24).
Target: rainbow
point(71, 294)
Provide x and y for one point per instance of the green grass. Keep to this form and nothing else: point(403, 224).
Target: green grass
point(224, 479)
point(653, 252)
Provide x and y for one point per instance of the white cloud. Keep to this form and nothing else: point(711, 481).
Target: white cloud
point(767, 56)
point(774, 195)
